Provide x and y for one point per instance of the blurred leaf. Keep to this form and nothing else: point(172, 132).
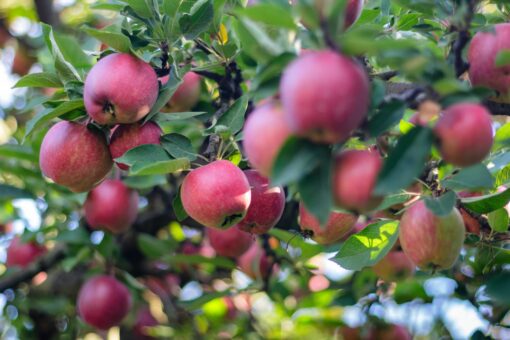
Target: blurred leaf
point(308, 250)
point(43, 79)
point(176, 116)
point(8, 192)
point(407, 291)
point(144, 182)
point(442, 205)
point(179, 211)
point(391, 200)
point(192, 305)
point(487, 203)
point(108, 36)
point(155, 248)
point(217, 261)
point(472, 178)
point(108, 246)
point(388, 114)
point(178, 146)
point(497, 288)
point(15, 151)
point(198, 20)
point(70, 262)
point(498, 220)
point(77, 236)
point(269, 14)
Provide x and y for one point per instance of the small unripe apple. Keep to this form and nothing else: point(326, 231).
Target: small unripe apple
point(430, 241)
point(216, 195)
point(254, 262)
point(128, 136)
point(484, 48)
point(337, 226)
point(75, 156)
point(325, 96)
point(265, 132)
point(103, 302)
point(390, 332)
point(144, 320)
point(231, 242)
point(395, 266)
point(23, 254)
point(354, 177)
point(120, 89)
point(464, 134)
point(266, 207)
point(111, 206)
point(187, 94)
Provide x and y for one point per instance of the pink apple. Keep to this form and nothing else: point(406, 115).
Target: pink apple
point(144, 320)
point(254, 262)
point(23, 254)
point(187, 94)
point(231, 242)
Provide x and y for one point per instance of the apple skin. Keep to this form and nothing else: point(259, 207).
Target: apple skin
point(216, 195)
point(231, 242)
point(484, 48)
point(390, 332)
point(23, 254)
point(120, 89)
point(464, 134)
point(337, 226)
point(144, 319)
point(325, 96)
point(430, 241)
point(265, 131)
point(75, 156)
point(103, 302)
point(187, 94)
point(395, 266)
point(352, 12)
point(111, 206)
point(128, 136)
point(266, 207)
point(354, 178)
point(255, 263)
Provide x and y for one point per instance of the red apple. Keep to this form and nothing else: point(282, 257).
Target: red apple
point(128, 136)
point(216, 195)
point(430, 241)
point(103, 302)
point(111, 206)
point(23, 254)
point(266, 207)
point(187, 94)
point(395, 266)
point(337, 226)
point(144, 320)
point(352, 12)
point(254, 262)
point(464, 134)
point(265, 132)
point(484, 48)
point(75, 156)
point(389, 332)
point(325, 96)
point(120, 89)
point(229, 243)
point(354, 178)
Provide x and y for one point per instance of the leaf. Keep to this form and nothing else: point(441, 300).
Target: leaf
point(20, 152)
point(76, 236)
point(472, 178)
point(43, 79)
point(171, 117)
point(308, 250)
point(388, 114)
point(154, 248)
point(487, 203)
point(367, 247)
point(217, 261)
point(160, 168)
point(179, 211)
point(406, 161)
point(198, 20)
point(269, 14)
point(140, 7)
point(178, 146)
point(115, 40)
point(70, 262)
point(498, 220)
point(9, 192)
point(144, 182)
point(146, 153)
point(197, 303)
point(234, 117)
point(392, 200)
point(48, 114)
point(443, 205)
point(497, 288)
point(165, 93)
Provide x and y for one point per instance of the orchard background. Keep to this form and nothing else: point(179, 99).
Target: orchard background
point(376, 131)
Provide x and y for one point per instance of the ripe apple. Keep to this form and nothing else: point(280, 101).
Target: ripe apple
point(254, 262)
point(354, 178)
point(216, 195)
point(389, 332)
point(472, 225)
point(430, 241)
point(187, 94)
point(337, 226)
point(265, 132)
point(464, 134)
point(325, 96)
point(111, 206)
point(352, 12)
point(75, 156)
point(231, 242)
point(484, 48)
point(144, 320)
point(120, 89)
point(103, 302)
point(23, 254)
point(128, 136)
point(266, 207)
point(395, 266)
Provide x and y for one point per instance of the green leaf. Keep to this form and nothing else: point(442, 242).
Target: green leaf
point(46, 115)
point(165, 93)
point(43, 79)
point(108, 246)
point(472, 178)
point(497, 288)
point(406, 161)
point(443, 205)
point(9, 192)
point(270, 14)
point(487, 203)
point(198, 20)
point(308, 250)
point(234, 117)
point(197, 303)
point(146, 153)
point(388, 114)
point(77, 236)
point(108, 36)
point(178, 146)
point(140, 7)
point(217, 261)
point(154, 248)
point(173, 117)
point(392, 200)
point(503, 58)
point(21, 152)
point(70, 262)
point(179, 211)
point(498, 220)
point(160, 168)
point(367, 247)
point(144, 182)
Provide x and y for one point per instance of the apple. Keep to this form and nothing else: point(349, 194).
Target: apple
point(389, 332)
point(111, 206)
point(337, 226)
point(266, 207)
point(128, 136)
point(395, 266)
point(265, 131)
point(325, 96)
point(484, 48)
point(144, 319)
point(464, 134)
point(216, 195)
point(232, 242)
point(23, 254)
point(120, 89)
point(187, 94)
point(75, 156)
point(352, 12)
point(254, 262)
point(354, 177)
point(103, 302)
point(430, 241)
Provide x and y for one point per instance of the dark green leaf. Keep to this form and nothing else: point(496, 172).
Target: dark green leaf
point(497, 289)
point(198, 20)
point(179, 211)
point(195, 304)
point(178, 146)
point(472, 178)
point(8, 192)
point(388, 115)
point(144, 182)
point(108, 36)
point(487, 203)
point(234, 117)
point(155, 248)
point(442, 205)
point(165, 93)
point(43, 79)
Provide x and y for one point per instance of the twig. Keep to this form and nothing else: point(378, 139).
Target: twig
point(460, 43)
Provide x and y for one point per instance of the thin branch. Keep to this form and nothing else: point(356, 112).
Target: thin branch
point(462, 40)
